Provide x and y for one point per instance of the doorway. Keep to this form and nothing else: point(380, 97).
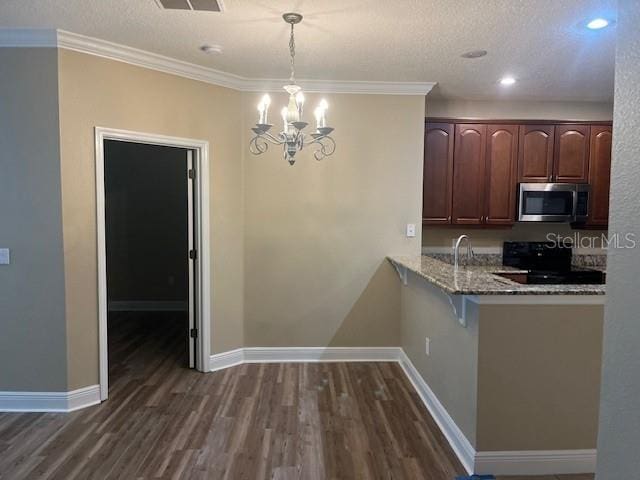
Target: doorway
point(152, 251)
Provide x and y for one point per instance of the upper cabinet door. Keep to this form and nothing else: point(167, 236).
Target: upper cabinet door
point(571, 154)
point(599, 175)
point(438, 173)
point(535, 153)
point(501, 167)
point(468, 172)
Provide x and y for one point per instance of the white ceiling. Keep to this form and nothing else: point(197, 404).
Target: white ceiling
point(540, 42)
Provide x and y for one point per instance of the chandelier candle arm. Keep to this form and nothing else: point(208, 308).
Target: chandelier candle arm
point(292, 137)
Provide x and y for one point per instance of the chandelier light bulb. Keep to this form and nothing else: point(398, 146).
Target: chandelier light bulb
point(261, 113)
point(300, 102)
point(294, 110)
point(321, 115)
point(318, 114)
point(284, 112)
point(266, 101)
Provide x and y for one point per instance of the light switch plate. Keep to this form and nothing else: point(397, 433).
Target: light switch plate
point(411, 229)
point(4, 256)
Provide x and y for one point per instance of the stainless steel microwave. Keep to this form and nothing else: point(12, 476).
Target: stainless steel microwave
point(553, 202)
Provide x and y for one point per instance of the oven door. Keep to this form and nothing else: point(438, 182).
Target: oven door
point(547, 202)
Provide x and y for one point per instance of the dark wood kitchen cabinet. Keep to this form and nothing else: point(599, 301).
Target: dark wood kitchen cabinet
point(468, 171)
point(599, 175)
point(554, 153)
point(535, 153)
point(501, 174)
point(571, 154)
point(472, 168)
point(438, 174)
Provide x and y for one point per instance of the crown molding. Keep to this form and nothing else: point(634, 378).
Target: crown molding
point(341, 86)
point(28, 37)
point(142, 58)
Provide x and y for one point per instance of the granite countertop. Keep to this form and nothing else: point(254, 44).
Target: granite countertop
point(482, 279)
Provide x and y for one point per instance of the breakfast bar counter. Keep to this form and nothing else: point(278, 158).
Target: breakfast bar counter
point(480, 279)
point(510, 369)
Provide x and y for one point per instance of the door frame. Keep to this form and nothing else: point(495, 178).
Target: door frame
point(201, 238)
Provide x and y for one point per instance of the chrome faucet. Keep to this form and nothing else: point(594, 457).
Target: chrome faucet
point(456, 249)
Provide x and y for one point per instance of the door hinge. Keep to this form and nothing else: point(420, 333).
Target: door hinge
point(192, 173)
point(193, 333)
point(193, 254)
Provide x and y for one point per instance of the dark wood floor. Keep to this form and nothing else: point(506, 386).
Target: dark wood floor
point(277, 421)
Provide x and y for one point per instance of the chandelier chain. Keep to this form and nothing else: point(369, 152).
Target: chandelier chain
point(292, 52)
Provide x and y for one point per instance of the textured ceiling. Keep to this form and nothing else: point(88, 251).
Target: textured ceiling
point(540, 42)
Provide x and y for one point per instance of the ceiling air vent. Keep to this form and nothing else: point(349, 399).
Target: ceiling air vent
point(199, 5)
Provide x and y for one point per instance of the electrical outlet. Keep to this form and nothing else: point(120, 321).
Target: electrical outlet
point(411, 229)
point(5, 257)
point(427, 346)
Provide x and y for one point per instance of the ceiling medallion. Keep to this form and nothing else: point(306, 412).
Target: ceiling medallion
point(292, 137)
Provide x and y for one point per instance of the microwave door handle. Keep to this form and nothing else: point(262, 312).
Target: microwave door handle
point(574, 214)
point(520, 203)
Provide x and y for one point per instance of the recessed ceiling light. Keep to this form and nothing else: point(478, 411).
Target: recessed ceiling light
point(597, 23)
point(474, 54)
point(211, 49)
point(506, 81)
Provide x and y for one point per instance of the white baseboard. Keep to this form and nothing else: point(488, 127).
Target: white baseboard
point(147, 306)
point(303, 354)
point(228, 359)
point(533, 462)
point(49, 401)
point(499, 463)
point(458, 441)
point(321, 354)
point(536, 462)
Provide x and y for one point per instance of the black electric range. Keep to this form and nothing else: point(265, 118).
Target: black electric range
point(546, 263)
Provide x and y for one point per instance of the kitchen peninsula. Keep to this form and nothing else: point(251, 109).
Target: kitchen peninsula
point(510, 371)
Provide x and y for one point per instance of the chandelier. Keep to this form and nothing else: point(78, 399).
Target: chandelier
point(292, 137)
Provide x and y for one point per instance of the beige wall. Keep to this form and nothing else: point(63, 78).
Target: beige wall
point(317, 233)
point(436, 107)
point(538, 377)
point(518, 377)
point(32, 310)
point(100, 92)
point(451, 369)
point(619, 417)
point(303, 225)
